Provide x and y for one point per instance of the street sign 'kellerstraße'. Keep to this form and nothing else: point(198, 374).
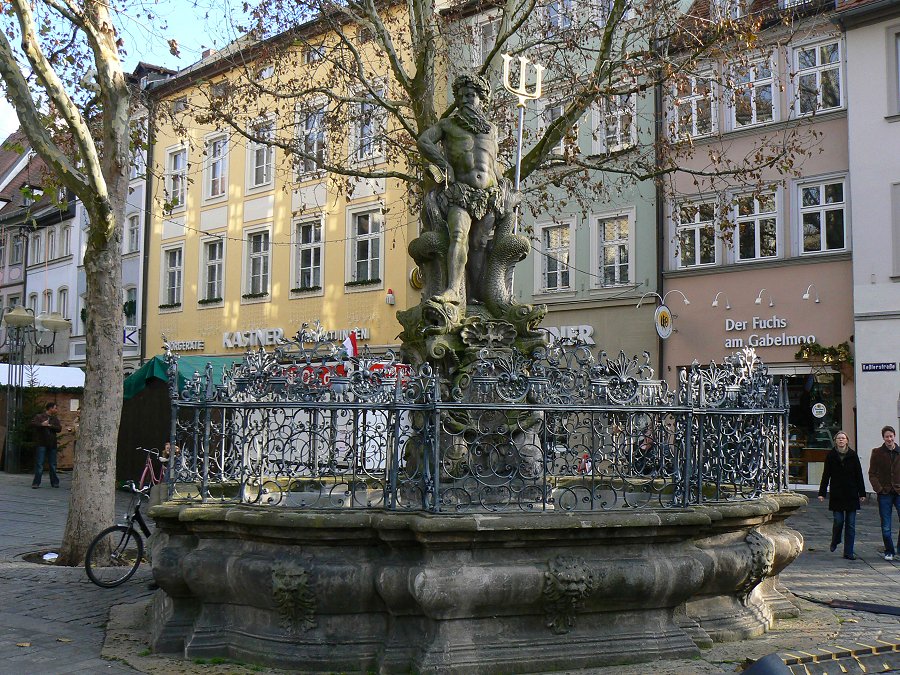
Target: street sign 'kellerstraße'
point(879, 367)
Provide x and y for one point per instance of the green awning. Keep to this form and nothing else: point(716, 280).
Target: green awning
point(155, 368)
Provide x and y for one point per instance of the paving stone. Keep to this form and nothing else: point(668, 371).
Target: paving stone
point(39, 604)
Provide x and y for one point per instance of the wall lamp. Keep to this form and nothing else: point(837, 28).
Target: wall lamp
point(808, 288)
point(758, 300)
point(662, 298)
point(715, 302)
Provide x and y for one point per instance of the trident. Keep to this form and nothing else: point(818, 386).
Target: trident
point(522, 93)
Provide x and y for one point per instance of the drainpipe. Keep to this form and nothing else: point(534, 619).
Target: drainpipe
point(145, 249)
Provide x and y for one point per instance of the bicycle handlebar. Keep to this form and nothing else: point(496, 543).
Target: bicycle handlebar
point(144, 491)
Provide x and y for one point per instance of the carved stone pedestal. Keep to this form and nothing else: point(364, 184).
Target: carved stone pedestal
point(475, 593)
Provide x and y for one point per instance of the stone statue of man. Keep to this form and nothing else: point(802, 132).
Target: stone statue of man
point(463, 148)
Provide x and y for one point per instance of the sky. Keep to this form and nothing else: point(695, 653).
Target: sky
point(195, 25)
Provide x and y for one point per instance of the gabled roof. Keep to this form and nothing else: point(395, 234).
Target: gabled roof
point(33, 175)
point(10, 151)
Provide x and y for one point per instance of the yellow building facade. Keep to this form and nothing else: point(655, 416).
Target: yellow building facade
point(247, 243)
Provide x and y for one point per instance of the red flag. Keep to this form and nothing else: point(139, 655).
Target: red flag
point(350, 344)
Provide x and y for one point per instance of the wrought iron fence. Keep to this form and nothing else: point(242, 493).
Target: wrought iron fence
point(560, 429)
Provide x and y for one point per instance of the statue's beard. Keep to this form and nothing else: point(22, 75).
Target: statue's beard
point(473, 119)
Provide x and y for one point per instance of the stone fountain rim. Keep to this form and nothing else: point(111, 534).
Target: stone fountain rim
point(424, 522)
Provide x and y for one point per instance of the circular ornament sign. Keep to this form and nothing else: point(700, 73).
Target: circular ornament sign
point(663, 321)
point(818, 410)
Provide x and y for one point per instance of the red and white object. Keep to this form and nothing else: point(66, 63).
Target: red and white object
point(350, 344)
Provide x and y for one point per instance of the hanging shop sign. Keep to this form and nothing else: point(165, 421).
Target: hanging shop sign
point(663, 320)
point(879, 367)
point(581, 333)
point(762, 331)
point(262, 337)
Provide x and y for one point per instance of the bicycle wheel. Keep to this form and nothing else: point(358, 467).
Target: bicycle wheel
point(114, 556)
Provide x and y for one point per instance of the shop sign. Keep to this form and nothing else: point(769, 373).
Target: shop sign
point(262, 337)
point(879, 367)
point(582, 333)
point(187, 345)
point(663, 320)
point(819, 410)
point(756, 333)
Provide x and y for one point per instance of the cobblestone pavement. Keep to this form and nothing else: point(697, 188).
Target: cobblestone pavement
point(52, 619)
point(66, 622)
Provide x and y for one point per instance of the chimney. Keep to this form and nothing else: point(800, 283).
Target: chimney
point(208, 51)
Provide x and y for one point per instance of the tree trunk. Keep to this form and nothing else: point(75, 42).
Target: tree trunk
point(92, 505)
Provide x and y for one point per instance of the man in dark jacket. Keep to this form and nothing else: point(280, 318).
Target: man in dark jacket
point(46, 425)
point(884, 474)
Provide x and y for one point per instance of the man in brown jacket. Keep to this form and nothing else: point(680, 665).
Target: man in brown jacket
point(884, 474)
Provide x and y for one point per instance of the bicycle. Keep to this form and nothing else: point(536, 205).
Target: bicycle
point(116, 553)
point(149, 471)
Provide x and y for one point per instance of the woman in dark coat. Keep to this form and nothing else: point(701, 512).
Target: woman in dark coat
point(844, 472)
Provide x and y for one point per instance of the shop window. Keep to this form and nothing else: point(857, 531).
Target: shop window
point(815, 417)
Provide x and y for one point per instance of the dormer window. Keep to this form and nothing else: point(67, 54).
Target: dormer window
point(30, 194)
point(727, 10)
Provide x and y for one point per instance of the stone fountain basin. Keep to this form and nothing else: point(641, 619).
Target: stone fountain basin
point(371, 590)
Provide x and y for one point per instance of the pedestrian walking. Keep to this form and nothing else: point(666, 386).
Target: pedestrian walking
point(884, 475)
point(843, 473)
point(46, 425)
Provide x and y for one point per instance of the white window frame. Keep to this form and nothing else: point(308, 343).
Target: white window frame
point(726, 10)
point(822, 208)
point(173, 294)
point(137, 168)
point(47, 301)
point(817, 70)
point(4, 237)
point(50, 248)
point(693, 99)
point(62, 302)
point(545, 254)
point(756, 218)
point(265, 72)
point(597, 248)
point(132, 243)
point(66, 240)
point(125, 298)
point(313, 54)
point(603, 119)
point(319, 133)
point(696, 226)
point(549, 113)
point(215, 174)
point(36, 248)
point(750, 87)
point(263, 258)
point(300, 246)
point(18, 249)
point(264, 127)
point(378, 119)
point(206, 264)
point(353, 238)
point(893, 61)
point(600, 11)
point(176, 178)
point(486, 27)
point(560, 15)
point(33, 303)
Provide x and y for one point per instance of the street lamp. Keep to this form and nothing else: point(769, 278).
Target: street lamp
point(22, 328)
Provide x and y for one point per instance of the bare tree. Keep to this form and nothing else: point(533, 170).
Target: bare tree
point(308, 73)
point(60, 65)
